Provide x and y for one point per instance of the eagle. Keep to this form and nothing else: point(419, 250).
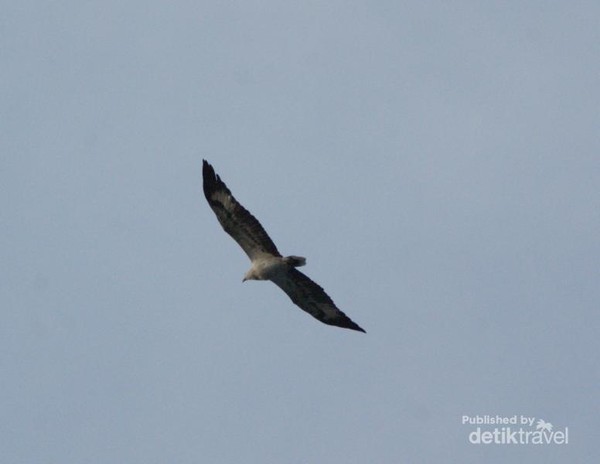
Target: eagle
point(267, 262)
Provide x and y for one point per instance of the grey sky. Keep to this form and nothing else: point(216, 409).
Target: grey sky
point(437, 163)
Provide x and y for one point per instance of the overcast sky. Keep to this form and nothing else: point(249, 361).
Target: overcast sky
point(438, 163)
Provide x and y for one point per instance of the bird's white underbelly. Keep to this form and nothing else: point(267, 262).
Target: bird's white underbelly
point(267, 268)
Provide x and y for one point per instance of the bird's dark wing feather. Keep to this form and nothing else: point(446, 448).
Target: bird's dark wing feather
point(310, 297)
point(234, 218)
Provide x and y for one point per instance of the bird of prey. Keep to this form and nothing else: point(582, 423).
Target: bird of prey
point(267, 262)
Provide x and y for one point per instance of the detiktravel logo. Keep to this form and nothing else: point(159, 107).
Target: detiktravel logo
point(513, 430)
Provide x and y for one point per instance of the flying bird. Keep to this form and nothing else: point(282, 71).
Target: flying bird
point(267, 262)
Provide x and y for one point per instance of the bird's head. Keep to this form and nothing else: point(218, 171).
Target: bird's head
point(250, 275)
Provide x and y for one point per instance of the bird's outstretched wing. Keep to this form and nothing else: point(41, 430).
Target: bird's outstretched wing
point(234, 218)
point(310, 297)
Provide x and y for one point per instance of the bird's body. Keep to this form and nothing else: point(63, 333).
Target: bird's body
point(267, 262)
point(266, 267)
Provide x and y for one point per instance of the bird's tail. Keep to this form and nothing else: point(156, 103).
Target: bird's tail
point(295, 261)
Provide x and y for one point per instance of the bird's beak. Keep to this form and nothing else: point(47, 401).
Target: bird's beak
point(244, 280)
